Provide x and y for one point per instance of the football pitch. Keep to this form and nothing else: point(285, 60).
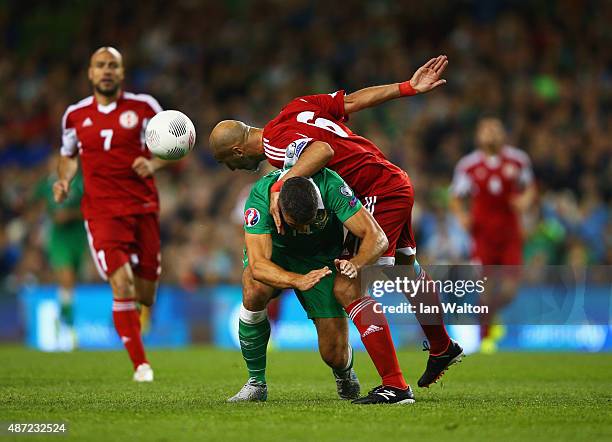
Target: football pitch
point(508, 396)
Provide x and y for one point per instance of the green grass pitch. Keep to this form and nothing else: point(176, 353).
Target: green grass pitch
point(508, 396)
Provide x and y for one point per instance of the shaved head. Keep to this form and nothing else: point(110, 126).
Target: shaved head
point(236, 145)
point(226, 135)
point(112, 51)
point(106, 72)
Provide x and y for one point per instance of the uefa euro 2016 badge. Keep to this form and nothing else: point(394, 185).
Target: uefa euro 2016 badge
point(128, 119)
point(251, 217)
point(346, 190)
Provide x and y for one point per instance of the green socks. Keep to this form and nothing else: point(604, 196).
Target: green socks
point(66, 314)
point(65, 297)
point(341, 374)
point(254, 333)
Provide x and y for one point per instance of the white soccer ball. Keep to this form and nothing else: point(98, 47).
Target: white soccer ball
point(170, 135)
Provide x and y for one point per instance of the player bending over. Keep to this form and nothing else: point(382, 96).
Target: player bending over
point(310, 133)
point(120, 203)
point(305, 258)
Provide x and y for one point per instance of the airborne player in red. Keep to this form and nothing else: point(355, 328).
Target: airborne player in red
point(310, 133)
point(498, 180)
point(120, 203)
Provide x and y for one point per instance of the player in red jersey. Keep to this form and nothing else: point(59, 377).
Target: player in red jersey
point(120, 203)
point(498, 180)
point(310, 133)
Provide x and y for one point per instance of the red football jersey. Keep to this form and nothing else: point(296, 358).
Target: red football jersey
point(109, 138)
point(492, 181)
point(321, 118)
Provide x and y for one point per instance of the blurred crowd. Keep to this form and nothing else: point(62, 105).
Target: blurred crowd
point(543, 67)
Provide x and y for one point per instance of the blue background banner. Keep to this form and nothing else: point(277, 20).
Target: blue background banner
point(93, 320)
point(210, 315)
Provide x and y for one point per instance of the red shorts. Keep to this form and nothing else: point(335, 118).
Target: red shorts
point(133, 239)
point(509, 252)
point(393, 212)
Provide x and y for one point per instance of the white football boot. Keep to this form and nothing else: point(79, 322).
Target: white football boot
point(252, 391)
point(143, 373)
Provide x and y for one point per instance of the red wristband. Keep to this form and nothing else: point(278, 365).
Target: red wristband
point(276, 187)
point(406, 89)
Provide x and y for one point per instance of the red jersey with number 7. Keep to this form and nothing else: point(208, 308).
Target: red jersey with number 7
point(321, 118)
point(108, 139)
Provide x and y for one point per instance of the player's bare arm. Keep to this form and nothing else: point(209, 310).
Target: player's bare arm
point(259, 251)
point(523, 201)
point(66, 170)
point(373, 243)
point(146, 167)
point(426, 78)
point(458, 206)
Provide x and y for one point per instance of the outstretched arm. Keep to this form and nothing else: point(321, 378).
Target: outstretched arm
point(319, 153)
point(426, 78)
point(259, 251)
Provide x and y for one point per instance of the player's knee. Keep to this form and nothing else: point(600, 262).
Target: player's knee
point(346, 290)
point(254, 297)
point(66, 278)
point(147, 300)
point(122, 283)
point(335, 354)
point(146, 291)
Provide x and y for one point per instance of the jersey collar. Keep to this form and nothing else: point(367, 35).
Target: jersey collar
point(107, 108)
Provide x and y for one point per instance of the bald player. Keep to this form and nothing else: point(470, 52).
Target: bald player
point(120, 204)
point(310, 133)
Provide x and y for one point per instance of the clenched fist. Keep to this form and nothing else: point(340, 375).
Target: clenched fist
point(60, 190)
point(143, 167)
point(346, 268)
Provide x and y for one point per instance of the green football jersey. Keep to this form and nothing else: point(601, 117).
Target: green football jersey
point(66, 241)
point(44, 191)
point(322, 238)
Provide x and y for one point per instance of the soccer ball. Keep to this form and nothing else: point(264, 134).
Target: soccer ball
point(170, 135)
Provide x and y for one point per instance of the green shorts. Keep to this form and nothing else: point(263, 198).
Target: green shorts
point(67, 246)
point(319, 301)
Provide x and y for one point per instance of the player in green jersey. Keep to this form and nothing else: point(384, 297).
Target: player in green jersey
point(305, 258)
point(66, 245)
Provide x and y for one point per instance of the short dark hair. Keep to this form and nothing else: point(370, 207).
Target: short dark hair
point(298, 199)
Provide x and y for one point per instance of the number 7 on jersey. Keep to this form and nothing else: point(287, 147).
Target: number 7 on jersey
point(107, 134)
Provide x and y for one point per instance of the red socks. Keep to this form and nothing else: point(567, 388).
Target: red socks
point(376, 338)
point(432, 324)
point(127, 324)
